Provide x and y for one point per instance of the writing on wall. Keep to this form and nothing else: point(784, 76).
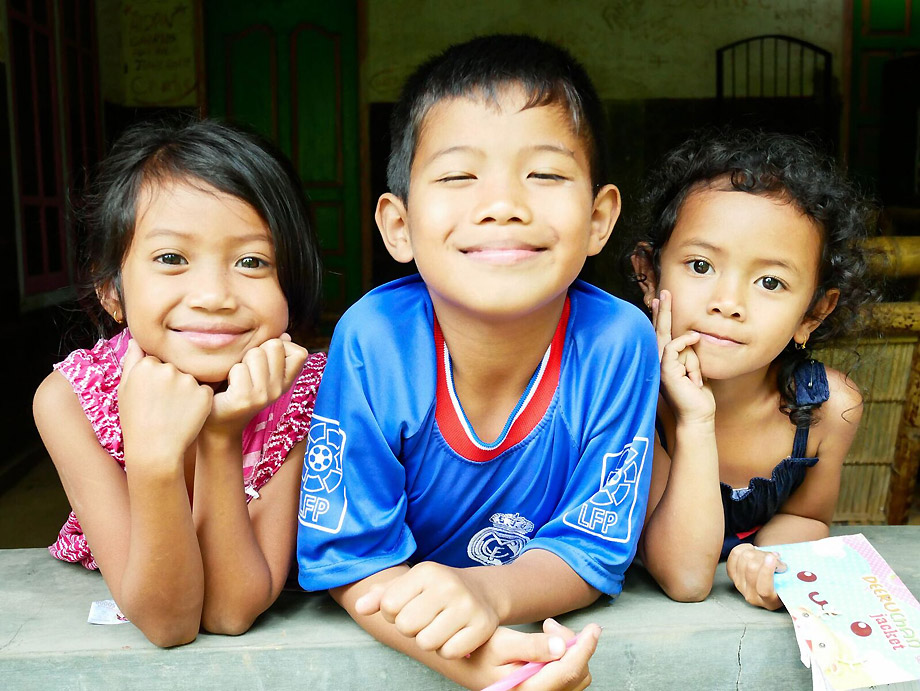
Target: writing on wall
point(158, 49)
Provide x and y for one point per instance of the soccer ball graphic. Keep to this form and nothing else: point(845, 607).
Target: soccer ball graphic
point(323, 469)
point(320, 458)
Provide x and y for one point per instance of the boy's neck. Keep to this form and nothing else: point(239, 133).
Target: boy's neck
point(493, 360)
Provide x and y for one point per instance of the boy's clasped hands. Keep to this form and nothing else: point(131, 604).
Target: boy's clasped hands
point(448, 614)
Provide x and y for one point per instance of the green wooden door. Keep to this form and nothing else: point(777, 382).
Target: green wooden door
point(289, 68)
point(882, 30)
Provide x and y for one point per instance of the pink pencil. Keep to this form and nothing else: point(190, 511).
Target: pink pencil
point(522, 674)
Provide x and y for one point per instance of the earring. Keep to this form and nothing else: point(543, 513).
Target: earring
point(116, 315)
point(801, 346)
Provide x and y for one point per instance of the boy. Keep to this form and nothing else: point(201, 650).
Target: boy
point(488, 420)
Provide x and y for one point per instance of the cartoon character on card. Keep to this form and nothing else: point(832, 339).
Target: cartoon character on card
point(837, 658)
point(834, 656)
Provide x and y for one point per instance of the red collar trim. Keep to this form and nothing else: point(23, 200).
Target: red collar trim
point(531, 408)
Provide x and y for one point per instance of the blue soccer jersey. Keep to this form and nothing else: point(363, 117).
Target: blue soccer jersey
point(394, 472)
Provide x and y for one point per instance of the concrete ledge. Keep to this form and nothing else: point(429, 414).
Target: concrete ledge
point(306, 642)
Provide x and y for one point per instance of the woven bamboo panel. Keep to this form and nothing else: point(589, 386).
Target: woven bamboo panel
point(878, 430)
point(863, 494)
point(881, 367)
point(882, 370)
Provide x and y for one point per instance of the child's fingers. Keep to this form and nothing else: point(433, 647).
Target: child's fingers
point(240, 378)
point(369, 603)
point(451, 643)
point(517, 646)
point(421, 613)
point(681, 343)
point(737, 567)
point(663, 327)
point(554, 628)
point(751, 570)
point(271, 366)
point(766, 591)
point(692, 363)
point(132, 356)
point(571, 671)
point(398, 593)
point(294, 358)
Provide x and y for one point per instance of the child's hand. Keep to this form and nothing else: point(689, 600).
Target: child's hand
point(434, 605)
point(265, 373)
point(161, 409)
point(751, 570)
point(566, 669)
point(681, 377)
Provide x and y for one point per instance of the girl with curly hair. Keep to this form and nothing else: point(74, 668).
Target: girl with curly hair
point(750, 255)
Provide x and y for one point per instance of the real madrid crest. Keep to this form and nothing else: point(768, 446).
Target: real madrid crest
point(502, 541)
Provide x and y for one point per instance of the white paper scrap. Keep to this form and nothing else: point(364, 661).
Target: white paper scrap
point(106, 612)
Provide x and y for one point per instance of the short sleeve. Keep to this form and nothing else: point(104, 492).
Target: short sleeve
point(610, 410)
point(353, 501)
point(94, 375)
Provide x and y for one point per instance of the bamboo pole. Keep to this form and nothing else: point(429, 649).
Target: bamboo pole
point(894, 316)
point(891, 255)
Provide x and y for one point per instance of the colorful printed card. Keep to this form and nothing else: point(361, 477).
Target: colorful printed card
point(856, 623)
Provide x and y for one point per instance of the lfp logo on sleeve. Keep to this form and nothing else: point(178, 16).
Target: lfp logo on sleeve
point(323, 501)
point(608, 514)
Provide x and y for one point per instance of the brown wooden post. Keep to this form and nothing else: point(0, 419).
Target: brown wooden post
point(907, 450)
point(900, 256)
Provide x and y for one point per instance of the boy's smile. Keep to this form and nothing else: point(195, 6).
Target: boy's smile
point(501, 212)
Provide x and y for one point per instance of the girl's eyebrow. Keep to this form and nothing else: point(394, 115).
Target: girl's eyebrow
point(780, 263)
point(157, 232)
point(169, 232)
point(698, 243)
point(701, 244)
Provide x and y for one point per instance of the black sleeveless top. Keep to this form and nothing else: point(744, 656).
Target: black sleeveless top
point(747, 510)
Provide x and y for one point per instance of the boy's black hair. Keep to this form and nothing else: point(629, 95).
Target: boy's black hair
point(481, 68)
point(783, 167)
point(226, 157)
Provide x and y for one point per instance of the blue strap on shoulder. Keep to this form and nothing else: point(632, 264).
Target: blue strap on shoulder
point(811, 389)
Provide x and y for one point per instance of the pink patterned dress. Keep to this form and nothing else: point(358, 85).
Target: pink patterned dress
point(94, 375)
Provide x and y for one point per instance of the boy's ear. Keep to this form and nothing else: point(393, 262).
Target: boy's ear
point(392, 221)
point(813, 319)
point(644, 269)
point(603, 217)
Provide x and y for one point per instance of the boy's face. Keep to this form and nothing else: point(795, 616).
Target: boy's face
point(501, 214)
